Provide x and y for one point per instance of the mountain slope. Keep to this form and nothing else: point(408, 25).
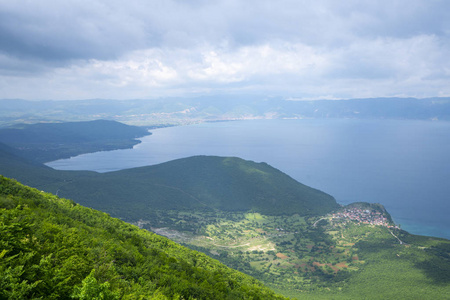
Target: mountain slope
point(231, 184)
point(45, 142)
point(202, 182)
point(33, 173)
point(53, 248)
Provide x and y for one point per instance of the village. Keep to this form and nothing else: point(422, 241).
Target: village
point(364, 216)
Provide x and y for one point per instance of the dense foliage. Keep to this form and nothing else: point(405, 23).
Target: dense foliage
point(53, 248)
point(45, 142)
point(322, 257)
point(200, 182)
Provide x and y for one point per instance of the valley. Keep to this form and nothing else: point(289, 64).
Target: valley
point(303, 256)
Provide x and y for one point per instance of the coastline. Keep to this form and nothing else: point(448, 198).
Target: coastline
point(415, 228)
point(402, 188)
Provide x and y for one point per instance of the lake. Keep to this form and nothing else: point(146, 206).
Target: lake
point(404, 165)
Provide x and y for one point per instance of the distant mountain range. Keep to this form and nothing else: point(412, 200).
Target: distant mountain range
point(166, 111)
point(43, 142)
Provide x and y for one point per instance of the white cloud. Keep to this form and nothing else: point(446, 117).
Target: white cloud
point(140, 49)
point(209, 65)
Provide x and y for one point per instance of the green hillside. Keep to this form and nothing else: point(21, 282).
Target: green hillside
point(33, 173)
point(322, 257)
point(52, 248)
point(247, 215)
point(45, 142)
point(201, 182)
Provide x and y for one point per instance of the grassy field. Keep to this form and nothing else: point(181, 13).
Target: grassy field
point(317, 257)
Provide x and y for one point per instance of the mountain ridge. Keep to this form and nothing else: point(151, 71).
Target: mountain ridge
point(200, 182)
point(165, 111)
point(43, 142)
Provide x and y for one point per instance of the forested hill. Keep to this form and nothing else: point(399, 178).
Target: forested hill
point(45, 142)
point(201, 182)
point(226, 183)
point(52, 248)
point(34, 174)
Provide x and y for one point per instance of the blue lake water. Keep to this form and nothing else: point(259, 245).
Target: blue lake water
point(404, 165)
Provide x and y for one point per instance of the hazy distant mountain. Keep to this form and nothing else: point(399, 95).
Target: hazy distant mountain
point(45, 142)
point(215, 108)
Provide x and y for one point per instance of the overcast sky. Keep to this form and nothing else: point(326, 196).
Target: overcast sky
point(155, 48)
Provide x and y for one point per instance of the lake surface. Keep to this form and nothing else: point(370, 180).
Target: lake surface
point(404, 165)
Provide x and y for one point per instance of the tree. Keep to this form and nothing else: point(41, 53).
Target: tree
point(91, 289)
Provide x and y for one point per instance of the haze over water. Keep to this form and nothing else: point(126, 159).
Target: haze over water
point(404, 165)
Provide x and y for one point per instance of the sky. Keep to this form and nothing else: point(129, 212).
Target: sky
point(143, 49)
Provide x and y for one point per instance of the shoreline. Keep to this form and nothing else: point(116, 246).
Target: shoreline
point(399, 199)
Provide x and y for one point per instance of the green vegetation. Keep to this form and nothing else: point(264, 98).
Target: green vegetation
point(203, 182)
point(333, 258)
point(250, 216)
point(53, 248)
point(45, 142)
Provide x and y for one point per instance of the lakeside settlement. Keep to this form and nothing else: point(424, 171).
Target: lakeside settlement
point(363, 216)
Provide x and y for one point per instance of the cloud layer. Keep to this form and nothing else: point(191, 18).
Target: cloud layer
point(144, 49)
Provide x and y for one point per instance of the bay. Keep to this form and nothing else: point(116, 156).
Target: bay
point(402, 164)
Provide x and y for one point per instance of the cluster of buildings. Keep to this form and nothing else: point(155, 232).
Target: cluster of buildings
point(364, 216)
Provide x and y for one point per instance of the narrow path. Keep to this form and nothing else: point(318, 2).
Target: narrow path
point(315, 223)
point(400, 241)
